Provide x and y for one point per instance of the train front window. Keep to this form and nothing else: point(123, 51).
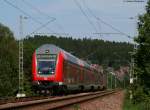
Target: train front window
point(46, 67)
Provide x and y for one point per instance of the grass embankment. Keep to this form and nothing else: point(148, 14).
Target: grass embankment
point(129, 105)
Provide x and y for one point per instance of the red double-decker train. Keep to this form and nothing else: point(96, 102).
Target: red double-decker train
point(55, 70)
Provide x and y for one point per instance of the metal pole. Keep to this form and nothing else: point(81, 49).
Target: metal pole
point(107, 80)
point(21, 74)
point(111, 81)
point(124, 83)
point(115, 81)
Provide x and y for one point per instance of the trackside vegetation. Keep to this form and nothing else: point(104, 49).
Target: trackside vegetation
point(141, 85)
point(8, 62)
point(131, 105)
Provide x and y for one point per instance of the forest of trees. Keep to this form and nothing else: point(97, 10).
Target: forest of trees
point(105, 53)
point(141, 87)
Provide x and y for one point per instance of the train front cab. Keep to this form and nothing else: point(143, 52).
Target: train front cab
point(47, 72)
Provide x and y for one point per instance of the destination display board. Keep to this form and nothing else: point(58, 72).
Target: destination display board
point(46, 56)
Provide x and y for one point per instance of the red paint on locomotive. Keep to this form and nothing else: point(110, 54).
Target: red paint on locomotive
point(59, 68)
point(34, 67)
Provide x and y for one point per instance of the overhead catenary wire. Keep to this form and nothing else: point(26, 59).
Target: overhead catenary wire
point(98, 24)
point(44, 14)
point(86, 16)
point(107, 24)
point(49, 33)
point(37, 29)
point(28, 15)
point(37, 10)
point(134, 1)
point(108, 33)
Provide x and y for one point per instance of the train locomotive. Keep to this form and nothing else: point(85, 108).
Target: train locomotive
point(55, 70)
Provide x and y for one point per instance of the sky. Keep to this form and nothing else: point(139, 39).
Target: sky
point(96, 19)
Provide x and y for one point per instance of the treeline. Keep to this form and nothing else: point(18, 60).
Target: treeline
point(106, 53)
point(93, 50)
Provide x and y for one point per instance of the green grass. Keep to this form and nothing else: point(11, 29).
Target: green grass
point(129, 105)
point(76, 107)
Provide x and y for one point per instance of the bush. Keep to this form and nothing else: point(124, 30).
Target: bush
point(136, 105)
point(139, 96)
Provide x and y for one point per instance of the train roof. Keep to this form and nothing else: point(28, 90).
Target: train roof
point(53, 49)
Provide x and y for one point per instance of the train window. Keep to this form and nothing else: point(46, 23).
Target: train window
point(46, 67)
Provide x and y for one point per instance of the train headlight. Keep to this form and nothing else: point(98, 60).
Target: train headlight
point(36, 83)
point(60, 83)
point(39, 72)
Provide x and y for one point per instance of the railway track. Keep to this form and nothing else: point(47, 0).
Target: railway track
point(55, 103)
point(23, 99)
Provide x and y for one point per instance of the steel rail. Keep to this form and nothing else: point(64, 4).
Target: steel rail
point(55, 103)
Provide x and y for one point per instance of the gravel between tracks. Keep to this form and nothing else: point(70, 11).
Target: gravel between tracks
point(111, 102)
